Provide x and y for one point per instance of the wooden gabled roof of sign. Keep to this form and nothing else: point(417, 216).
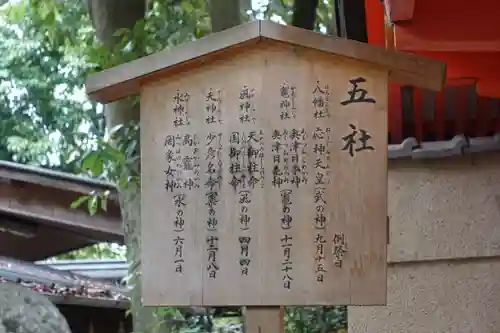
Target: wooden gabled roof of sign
point(126, 79)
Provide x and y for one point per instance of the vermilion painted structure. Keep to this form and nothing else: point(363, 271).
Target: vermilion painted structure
point(465, 34)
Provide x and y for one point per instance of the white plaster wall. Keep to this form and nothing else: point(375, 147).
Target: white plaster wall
point(458, 297)
point(444, 251)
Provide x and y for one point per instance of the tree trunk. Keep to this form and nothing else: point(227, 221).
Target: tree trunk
point(107, 17)
point(224, 14)
point(304, 13)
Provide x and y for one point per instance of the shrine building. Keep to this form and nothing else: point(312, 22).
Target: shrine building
point(444, 171)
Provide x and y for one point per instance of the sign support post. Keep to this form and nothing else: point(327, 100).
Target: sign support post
point(264, 319)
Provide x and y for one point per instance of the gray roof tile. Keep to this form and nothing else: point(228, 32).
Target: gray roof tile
point(458, 145)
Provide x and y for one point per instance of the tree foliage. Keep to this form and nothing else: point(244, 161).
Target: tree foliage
point(46, 119)
point(48, 48)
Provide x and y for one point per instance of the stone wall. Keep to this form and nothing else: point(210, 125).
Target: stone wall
point(444, 251)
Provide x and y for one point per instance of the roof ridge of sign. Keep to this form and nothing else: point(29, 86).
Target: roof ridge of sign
point(404, 67)
point(126, 79)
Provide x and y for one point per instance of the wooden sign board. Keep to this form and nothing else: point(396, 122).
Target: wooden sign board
point(264, 177)
point(264, 182)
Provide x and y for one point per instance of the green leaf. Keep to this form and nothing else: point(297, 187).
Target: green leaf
point(43, 10)
point(93, 205)
point(104, 200)
point(78, 202)
point(121, 32)
point(131, 148)
point(16, 12)
point(94, 163)
point(115, 130)
point(113, 155)
point(89, 160)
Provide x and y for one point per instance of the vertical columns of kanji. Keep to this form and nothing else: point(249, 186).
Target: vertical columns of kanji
point(180, 109)
point(289, 172)
point(356, 141)
point(321, 101)
point(287, 103)
point(247, 106)
point(322, 166)
point(213, 157)
point(181, 175)
point(212, 223)
point(339, 248)
point(246, 168)
point(270, 186)
point(286, 239)
point(246, 155)
point(321, 139)
point(213, 112)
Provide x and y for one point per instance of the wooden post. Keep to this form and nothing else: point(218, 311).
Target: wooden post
point(260, 319)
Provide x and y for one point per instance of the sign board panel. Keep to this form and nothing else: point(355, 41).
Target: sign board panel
point(264, 165)
point(264, 181)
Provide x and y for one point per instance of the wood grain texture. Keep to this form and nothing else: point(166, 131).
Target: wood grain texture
point(127, 79)
point(356, 195)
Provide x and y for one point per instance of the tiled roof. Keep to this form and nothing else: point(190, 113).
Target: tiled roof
point(63, 287)
point(113, 269)
point(458, 145)
point(56, 175)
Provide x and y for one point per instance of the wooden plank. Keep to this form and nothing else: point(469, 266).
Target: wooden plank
point(284, 241)
point(264, 320)
point(126, 80)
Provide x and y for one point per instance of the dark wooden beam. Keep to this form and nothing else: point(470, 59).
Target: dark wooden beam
point(36, 218)
point(46, 242)
point(52, 206)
